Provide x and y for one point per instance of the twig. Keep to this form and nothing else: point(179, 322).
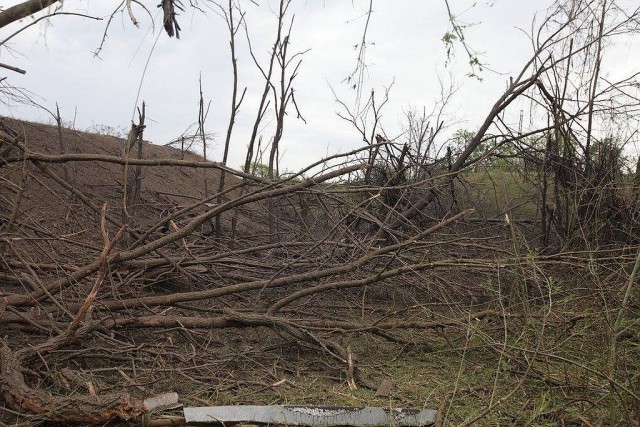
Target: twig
point(12, 68)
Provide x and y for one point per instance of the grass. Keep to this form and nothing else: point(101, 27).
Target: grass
point(498, 190)
point(546, 373)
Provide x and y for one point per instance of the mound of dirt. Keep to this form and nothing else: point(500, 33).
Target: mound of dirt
point(50, 195)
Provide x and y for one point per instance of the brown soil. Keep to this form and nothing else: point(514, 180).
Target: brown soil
point(165, 188)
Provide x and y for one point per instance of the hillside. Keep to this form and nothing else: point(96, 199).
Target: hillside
point(47, 205)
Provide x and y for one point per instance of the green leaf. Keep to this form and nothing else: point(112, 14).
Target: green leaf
point(449, 37)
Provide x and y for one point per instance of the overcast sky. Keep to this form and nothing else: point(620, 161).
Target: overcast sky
point(406, 49)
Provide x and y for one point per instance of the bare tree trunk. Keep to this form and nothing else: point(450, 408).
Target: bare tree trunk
point(264, 104)
point(235, 103)
point(63, 144)
point(281, 100)
point(594, 88)
point(203, 136)
point(636, 185)
point(133, 181)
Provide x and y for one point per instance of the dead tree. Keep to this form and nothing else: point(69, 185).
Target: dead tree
point(133, 178)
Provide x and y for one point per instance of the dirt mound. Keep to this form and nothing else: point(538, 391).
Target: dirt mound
point(48, 202)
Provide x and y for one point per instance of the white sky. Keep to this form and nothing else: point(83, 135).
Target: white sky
point(408, 50)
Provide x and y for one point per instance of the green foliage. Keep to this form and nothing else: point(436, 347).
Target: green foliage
point(259, 169)
point(455, 34)
point(449, 38)
point(289, 176)
point(460, 139)
point(502, 156)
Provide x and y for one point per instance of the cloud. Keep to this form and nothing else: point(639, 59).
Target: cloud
point(406, 48)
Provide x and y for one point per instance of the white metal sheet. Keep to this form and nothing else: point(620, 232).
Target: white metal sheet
point(310, 416)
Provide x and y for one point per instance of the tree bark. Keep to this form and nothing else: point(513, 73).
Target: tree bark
point(23, 10)
point(88, 410)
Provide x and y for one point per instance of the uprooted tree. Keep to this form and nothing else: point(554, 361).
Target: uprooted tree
point(476, 244)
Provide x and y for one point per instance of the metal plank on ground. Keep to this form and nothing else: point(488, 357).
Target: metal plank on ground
point(310, 416)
